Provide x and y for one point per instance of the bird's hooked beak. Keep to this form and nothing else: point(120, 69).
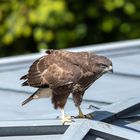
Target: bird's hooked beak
point(110, 68)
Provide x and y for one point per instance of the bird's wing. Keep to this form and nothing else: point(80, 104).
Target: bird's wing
point(34, 77)
point(61, 73)
point(52, 70)
point(68, 67)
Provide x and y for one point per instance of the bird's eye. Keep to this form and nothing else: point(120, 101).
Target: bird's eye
point(103, 65)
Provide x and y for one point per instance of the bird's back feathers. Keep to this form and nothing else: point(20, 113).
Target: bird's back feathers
point(56, 69)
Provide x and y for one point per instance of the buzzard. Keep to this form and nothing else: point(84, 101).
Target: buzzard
point(60, 73)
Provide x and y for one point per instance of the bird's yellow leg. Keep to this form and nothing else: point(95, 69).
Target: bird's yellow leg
point(81, 115)
point(65, 118)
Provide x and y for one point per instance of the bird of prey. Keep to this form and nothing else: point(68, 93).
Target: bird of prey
point(60, 73)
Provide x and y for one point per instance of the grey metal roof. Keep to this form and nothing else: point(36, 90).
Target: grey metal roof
point(111, 95)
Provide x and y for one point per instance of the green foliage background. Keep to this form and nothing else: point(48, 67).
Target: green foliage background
point(31, 25)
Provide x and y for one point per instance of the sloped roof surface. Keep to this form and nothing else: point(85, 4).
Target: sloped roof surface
point(123, 84)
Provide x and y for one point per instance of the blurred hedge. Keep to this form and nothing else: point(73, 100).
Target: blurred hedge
point(30, 25)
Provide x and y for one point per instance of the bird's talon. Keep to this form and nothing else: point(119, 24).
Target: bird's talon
point(66, 119)
point(89, 116)
point(79, 116)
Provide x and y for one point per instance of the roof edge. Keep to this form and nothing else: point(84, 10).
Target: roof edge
point(96, 47)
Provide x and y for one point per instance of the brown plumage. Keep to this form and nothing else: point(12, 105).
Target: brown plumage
point(61, 73)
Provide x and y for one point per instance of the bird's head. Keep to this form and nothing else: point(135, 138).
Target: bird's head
point(102, 65)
